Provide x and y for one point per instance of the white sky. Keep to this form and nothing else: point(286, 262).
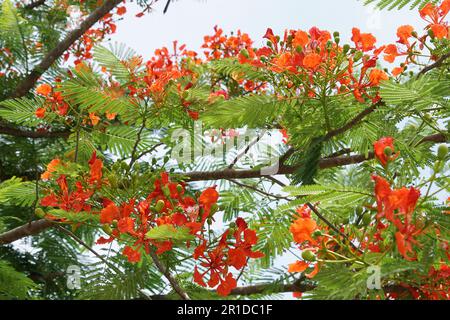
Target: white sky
point(189, 20)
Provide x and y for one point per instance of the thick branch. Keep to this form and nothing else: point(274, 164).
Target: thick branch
point(30, 80)
point(324, 163)
point(28, 229)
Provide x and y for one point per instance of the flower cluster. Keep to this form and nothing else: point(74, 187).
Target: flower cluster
point(167, 215)
point(410, 43)
point(234, 249)
point(310, 240)
point(53, 101)
point(73, 198)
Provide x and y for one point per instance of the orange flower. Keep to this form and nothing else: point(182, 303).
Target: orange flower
point(110, 213)
point(94, 118)
point(40, 113)
point(379, 148)
point(428, 10)
point(397, 71)
point(301, 39)
point(391, 53)
point(302, 229)
point(121, 11)
point(51, 167)
point(132, 255)
point(440, 31)
point(44, 89)
point(208, 197)
point(404, 33)
point(96, 166)
point(298, 266)
point(312, 60)
point(363, 41)
point(376, 76)
point(404, 246)
point(111, 115)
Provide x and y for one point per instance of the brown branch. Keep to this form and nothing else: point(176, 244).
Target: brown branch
point(435, 65)
point(357, 119)
point(324, 163)
point(28, 229)
point(173, 282)
point(30, 80)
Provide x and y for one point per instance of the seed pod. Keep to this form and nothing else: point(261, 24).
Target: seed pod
point(317, 234)
point(245, 53)
point(180, 188)
point(166, 191)
point(346, 48)
point(214, 208)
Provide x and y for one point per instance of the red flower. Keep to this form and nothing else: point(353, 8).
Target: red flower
point(132, 255)
point(227, 285)
point(96, 166)
point(110, 213)
point(380, 147)
point(40, 113)
point(126, 225)
point(208, 197)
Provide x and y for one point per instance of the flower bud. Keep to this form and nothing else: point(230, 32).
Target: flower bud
point(39, 213)
point(358, 55)
point(442, 151)
point(388, 151)
point(308, 255)
point(107, 228)
point(159, 205)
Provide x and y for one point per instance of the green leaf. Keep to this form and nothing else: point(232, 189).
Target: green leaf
point(169, 232)
point(253, 111)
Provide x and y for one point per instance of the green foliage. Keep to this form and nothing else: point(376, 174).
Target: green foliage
point(16, 192)
point(252, 111)
point(169, 232)
point(13, 284)
point(399, 4)
point(21, 111)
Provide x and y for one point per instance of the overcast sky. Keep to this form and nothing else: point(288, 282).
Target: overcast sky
point(189, 20)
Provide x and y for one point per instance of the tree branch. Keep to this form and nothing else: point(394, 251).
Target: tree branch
point(173, 282)
point(435, 65)
point(8, 129)
point(28, 229)
point(30, 80)
point(40, 225)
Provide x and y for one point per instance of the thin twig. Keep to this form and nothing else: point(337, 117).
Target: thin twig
point(173, 282)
